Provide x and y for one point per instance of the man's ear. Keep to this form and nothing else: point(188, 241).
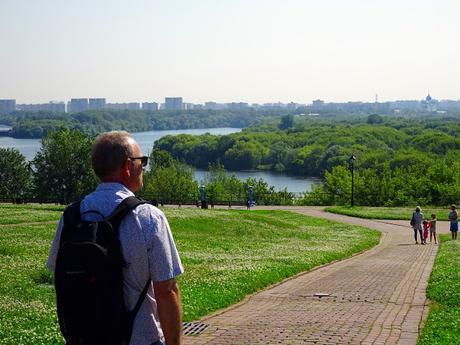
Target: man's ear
point(125, 168)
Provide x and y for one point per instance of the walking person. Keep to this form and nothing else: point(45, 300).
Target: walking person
point(417, 217)
point(426, 227)
point(453, 218)
point(151, 261)
point(433, 229)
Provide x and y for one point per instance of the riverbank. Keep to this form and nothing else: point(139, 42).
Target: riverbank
point(295, 184)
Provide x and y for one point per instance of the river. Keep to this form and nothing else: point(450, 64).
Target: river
point(29, 147)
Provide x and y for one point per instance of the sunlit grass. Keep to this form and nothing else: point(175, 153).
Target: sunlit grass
point(227, 255)
point(401, 213)
point(443, 324)
point(16, 214)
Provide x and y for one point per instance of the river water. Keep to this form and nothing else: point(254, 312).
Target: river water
point(29, 147)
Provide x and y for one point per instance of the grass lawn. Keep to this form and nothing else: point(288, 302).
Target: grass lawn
point(227, 255)
point(15, 214)
point(443, 324)
point(403, 213)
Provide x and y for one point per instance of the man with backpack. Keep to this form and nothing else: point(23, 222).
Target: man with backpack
point(114, 258)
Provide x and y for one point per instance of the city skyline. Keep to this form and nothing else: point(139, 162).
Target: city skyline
point(161, 101)
point(254, 52)
point(177, 103)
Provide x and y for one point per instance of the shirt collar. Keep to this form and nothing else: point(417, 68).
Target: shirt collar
point(113, 186)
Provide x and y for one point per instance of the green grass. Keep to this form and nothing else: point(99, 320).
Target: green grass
point(402, 213)
point(227, 255)
point(16, 214)
point(443, 323)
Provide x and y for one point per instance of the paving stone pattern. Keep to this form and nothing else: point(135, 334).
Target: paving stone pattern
point(377, 297)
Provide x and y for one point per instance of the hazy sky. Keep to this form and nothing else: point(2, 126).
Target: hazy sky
point(229, 50)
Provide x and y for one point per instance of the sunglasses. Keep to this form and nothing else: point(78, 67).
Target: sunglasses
point(144, 160)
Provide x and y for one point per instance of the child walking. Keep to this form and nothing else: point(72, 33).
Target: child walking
point(433, 228)
point(425, 231)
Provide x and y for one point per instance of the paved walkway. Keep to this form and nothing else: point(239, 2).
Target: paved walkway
point(377, 297)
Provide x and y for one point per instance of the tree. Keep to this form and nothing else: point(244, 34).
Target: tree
point(14, 174)
point(160, 159)
point(62, 168)
point(169, 180)
point(374, 119)
point(244, 156)
point(287, 121)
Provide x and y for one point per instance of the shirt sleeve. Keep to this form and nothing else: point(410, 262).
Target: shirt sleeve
point(164, 260)
point(51, 264)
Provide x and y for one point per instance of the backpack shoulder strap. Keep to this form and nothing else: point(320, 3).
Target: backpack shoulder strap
point(72, 213)
point(71, 217)
point(128, 204)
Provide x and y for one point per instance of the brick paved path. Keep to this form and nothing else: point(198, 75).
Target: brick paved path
point(374, 298)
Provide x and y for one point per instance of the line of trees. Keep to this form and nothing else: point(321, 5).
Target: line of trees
point(38, 124)
point(312, 147)
point(399, 162)
point(434, 184)
point(61, 172)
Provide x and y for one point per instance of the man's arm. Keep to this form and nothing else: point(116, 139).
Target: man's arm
point(51, 263)
point(169, 310)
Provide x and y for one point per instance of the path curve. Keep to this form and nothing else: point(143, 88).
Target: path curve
point(377, 297)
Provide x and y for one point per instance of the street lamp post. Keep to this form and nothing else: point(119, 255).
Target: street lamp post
point(203, 197)
point(352, 169)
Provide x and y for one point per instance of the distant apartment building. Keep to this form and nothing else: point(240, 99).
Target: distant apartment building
point(449, 104)
point(96, 103)
point(317, 104)
point(55, 107)
point(293, 105)
point(174, 103)
point(123, 106)
point(237, 105)
point(189, 106)
point(213, 105)
point(152, 106)
point(77, 104)
point(7, 106)
point(406, 104)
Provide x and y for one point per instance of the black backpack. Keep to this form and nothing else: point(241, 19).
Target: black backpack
point(89, 282)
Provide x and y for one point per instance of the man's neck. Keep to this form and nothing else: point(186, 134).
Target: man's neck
point(117, 180)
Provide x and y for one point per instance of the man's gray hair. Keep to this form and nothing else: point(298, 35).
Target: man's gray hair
point(110, 152)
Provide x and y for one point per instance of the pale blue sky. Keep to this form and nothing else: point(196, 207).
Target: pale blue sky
point(251, 51)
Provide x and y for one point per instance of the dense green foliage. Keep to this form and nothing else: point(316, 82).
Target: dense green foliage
point(443, 324)
point(14, 174)
point(228, 189)
point(226, 254)
point(437, 183)
point(62, 168)
point(401, 213)
point(61, 172)
point(38, 124)
point(317, 145)
point(169, 181)
point(399, 161)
